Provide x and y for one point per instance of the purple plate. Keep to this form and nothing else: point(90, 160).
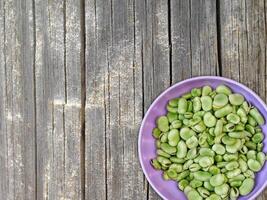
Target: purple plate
point(168, 190)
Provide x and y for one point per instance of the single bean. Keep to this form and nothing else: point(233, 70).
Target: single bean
point(223, 111)
point(171, 109)
point(163, 153)
point(230, 157)
point(252, 121)
point(206, 102)
point(208, 186)
point(250, 128)
point(193, 195)
point(181, 149)
point(209, 120)
point(220, 100)
point(219, 127)
point(223, 89)
point(165, 176)
point(233, 173)
point(172, 173)
point(163, 123)
point(251, 154)
point(186, 133)
point(239, 177)
point(239, 127)
point(243, 165)
point(229, 127)
point(232, 165)
point(158, 143)
point(196, 92)
point(192, 153)
point(214, 170)
point(219, 149)
point(251, 145)
point(182, 175)
point(245, 105)
point(236, 99)
point(214, 197)
point(155, 163)
point(195, 183)
point(259, 147)
point(182, 184)
point(228, 140)
point(249, 174)
point(206, 90)
point(187, 95)
point(176, 124)
point(235, 147)
point(192, 142)
point(254, 165)
point(173, 137)
point(234, 193)
point(172, 116)
point(217, 180)
point(187, 189)
point(156, 133)
point(168, 149)
point(200, 127)
point(257, 116)
point(206, 152)
point(177, 167)
point(237, 134)
point(196, 104)
point(177, 160)
point(203, 192)
point(233, 118)
point(187, 164)
point(222, 189)
point(218, 158)
point(261, 158)
point(206, 161)
point(194, 167)
point(202, 176)
point(258, 137)
point(247, 186)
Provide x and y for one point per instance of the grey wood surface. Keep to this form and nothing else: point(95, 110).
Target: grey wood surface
point(76, 78)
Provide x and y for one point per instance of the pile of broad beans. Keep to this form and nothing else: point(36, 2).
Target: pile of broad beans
point(210, 142)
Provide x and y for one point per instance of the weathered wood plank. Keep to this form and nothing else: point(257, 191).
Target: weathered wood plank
point(243, 44)
point(3, 101)
point(156, 60)
point(50, 98)
point(18, 104)
point(114, 101)
point(193, 39)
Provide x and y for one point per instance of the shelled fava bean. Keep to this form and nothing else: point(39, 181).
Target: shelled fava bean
point(210, 142)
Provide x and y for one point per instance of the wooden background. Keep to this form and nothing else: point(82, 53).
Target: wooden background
point(77, 76)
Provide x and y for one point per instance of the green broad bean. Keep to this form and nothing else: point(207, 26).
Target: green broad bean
point(192, 142)
point(186, 122)
point(230, 157)
point(165, 176)
point(172, 173)
point(220, 100)
point(243, 150)
point(218, 149)
point(194, 167)
point(182, 105)
point(228, 140)
point(214, 170)
point(174, 102)
point(187, 95)
point(206, 90)
point(173, 137)
point(194, 195)
point(258, 137)
point(206, 102)
point(250, 129)
point(202, 176)
point(239, 127)
point(251, 154)
point(203, 192)
point(195, 183)
point(196, 92)
point(196, 104)
point(259, 146)
point(158, 143)
point(234, 193)
point(243, 165)
point(233, 118)
point(168, 149)
point(206, 152)
point(232, 165)
point(181, 149)
point(252, 121)
point(172, 116)
point(189, 106)
point(181, 117)
point(261, 158)
point(182, 184)
point(237, 134)
point(245, 105)
point(234, 148)
point(223, 89)
point(229, 127)
point(251, 145)
point(218, 158)
point(186, 133)
point(224, 111)
point(219, 127)
point(206, 161)
point(188, 115)
point(182, 175)
point(187, 164)
point(200, 127)
point(177, 160)
point(171, 109)
point(239, 177)
point(222, 189)
point(214, 197)
point(249, 174)
point(194, 121)
point(164, 137)
point(164, 161)
point(217, 180)
point(163, 153)
point(208, 186)
point(155, 163)
point(233, 173)
point(202, 139)
point(257, 116)
point(236, 99)
point(246, 187)
point(177, 167)
point(209, 120)
point(254, 165)
point(176, 124)
point(192, 153)
point(187, 189)
point(163, 124)
point(156, 133)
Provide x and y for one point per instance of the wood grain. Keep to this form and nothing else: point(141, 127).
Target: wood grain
point(17, 104)
point(243, 44)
